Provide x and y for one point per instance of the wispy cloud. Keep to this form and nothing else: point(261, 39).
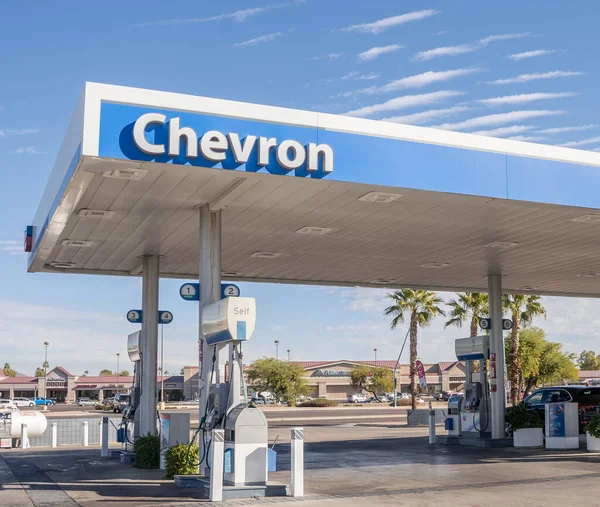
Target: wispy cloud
point(404, 103)
point(27, 149)
point(376, 52)
point(237, 16)
point(524, 78)
point(504, 131)
point(357, 76)
point(367, 77)
point(17, 132)
point(329, 56)
point(562, 130)
point(531, 54)
point(383, 24)
point(530, 139)
point(258, 40)
point(424, 79)
point(498, 119)
point(11, 246)
point(426, 116)
point(583, 142)
point(465, 48)
point(524, 98)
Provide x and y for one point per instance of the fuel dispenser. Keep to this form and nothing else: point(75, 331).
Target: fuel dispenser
point(475, 405)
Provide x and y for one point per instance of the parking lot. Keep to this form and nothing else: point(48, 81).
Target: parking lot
point(347, 464)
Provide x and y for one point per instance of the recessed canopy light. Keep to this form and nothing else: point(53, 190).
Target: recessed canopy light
point(382, 282)
point(96, 213)
point(435, 265)
point(64, 265)
point(501, 245)
point(265, 255)
point(126, 174)
point(230, 274)
point(381, 197)
point(590, 274)
point(587, 219)
point(315, 231)
point(529, 287)
point(77, 242)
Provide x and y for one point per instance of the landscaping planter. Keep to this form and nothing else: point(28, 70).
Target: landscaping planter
point(528, 437)
point(593, 443)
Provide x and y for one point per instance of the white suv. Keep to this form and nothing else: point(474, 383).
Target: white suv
point(357, 398)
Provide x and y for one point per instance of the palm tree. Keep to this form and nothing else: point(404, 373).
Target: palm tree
point(522, 309)
point(469, 305)
point(421, 306)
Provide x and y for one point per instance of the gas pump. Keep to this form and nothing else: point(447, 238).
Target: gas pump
point(128, 430)
point(475, 408)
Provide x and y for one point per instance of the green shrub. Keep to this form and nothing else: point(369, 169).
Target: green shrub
point(319, 402)
point(593, 427)
point(98, 407)
point(178, 460)
point(402, 402)
point(518, 418)
point(147, 452)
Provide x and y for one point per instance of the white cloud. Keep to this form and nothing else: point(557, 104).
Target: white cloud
point(421, 80)
point(404, 102)
point(504, 131)
point(330, 56)
point(383, 24)
point(376, 52)
point(237, 16)
point(18, 132)
point(27, 149)
point(367, 77)
point(583, 142)
point(258, 40)
point(524, 78)
point(524, 98)
point(530, 139)
point(531, 54)
point(11, 246)
point(562, 130)
point(460, 49)
point(425, 116)
point(350, 75)
point(497, 119)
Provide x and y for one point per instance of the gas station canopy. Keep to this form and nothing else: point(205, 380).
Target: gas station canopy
point(313, 198)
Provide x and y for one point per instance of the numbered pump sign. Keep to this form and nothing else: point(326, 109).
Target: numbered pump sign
point(136, 316)
point(487, 324)
point(191, 291)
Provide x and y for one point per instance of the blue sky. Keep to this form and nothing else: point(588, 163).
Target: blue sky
point(496, 68)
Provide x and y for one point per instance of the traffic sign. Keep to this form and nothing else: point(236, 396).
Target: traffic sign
point(487, 324)
point(135, 316)
point(191, 291)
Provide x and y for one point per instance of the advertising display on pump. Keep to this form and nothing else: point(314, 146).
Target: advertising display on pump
point(231, 319)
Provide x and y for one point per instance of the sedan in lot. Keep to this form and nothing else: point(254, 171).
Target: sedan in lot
point(85, 402)
point(23, 402)
point(588, 399)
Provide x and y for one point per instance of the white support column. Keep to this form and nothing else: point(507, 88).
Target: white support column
point(149, 345)
point(104, 437)
point(210, 292)
point(86, 440)
point(498, 395)
point(54, 434)
point(24, 439)
point(297, 458)
point(217, 450)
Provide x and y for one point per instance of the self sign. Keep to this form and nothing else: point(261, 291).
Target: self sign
point(191, 291)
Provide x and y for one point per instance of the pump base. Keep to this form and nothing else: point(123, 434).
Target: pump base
point(231, 492)
point(474, 442)
point(127, 457)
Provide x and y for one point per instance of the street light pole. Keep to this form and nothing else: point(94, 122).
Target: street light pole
point(118, 355)
point(375, 350)
point(277, 350)
point(45, 374)
point(288, 351)
point(397, 366)
point(162, 370)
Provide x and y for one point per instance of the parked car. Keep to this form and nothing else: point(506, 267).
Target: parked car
point(23, 402)
point(108, 401)
point(357, 398)
point(588, 399)
point(40, 400)
point(7, 405)
point(85, 402)
point(120, 402)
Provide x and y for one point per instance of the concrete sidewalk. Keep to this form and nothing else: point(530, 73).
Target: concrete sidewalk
point(348, 465)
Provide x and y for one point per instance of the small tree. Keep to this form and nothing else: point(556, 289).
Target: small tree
point(124, 373)
point(85, 373)
point(8, 371)
point(588, 360)
point(105, 373)
point(285, 380)
point(373, 380)
point(39, 372)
